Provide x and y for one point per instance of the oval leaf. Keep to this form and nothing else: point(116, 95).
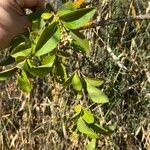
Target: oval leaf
point(24, 83)
point(80, 42)
point(83, 128)
point(46, 16)
point(88, 116)
point(78, 108)
point(76, 82)
point(96, 95)
point(49, 60)
point(78, 18)
point(48, 39)
point(66, 8)
point(111, 128)
point(60, 72)
point(21, 50)
point(94, 82)
point(91, 145)
point(40, 71)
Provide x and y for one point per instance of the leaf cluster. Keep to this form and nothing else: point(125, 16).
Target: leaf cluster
point(38, 54)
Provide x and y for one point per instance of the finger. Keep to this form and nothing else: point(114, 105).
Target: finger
point(24, 24)
point(30, 3)
point(5, 37)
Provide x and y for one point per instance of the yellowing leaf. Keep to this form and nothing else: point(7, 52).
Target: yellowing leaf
point(88, 116)
point(46, 16)
point(78, 108)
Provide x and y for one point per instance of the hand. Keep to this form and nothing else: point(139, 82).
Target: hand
point(13, 20)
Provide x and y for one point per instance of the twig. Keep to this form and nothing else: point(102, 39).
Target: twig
point(147, 74)
point(95, 23)
point(115, 58)
point(119, 20)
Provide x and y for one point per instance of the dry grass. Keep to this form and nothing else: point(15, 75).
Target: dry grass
point(121, 56)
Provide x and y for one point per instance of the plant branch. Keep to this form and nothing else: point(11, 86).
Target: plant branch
point(96, 23)
point(122, 19)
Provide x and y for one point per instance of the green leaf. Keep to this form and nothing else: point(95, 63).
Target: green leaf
point(60, 72)
point(21, 64)
point(76, 82)
point(19, 39)
point(30, 63)
point(22, 50)
point(34, 15)
point(96, 95)
point(37, 22)
point(88, 116)
point(75, 115)
point(24, 83)
point(46, 16)
point(79, 95)
point(94, 82)
point(99, 129)
point(38, 25)
point(7, 73)
point(91, 145)
point(78, 108)
point(80, 42)
point(48, 39)
point(7, 61)
point(68, 81)
point(78, 18)
point(83, 128)
point(111, 128)
point(48, 60)
point(40, 71)
point(24, 65)
point(65, 9)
